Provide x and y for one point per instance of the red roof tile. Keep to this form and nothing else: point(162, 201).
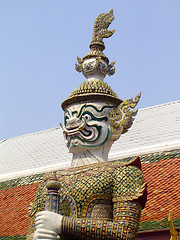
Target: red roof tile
point(14, 203)
point(163, 182)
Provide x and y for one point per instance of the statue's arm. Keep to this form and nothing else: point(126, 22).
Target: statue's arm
point(124, 225)
point(129, 197)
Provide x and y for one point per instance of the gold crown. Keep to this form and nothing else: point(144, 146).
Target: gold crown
point(92, 90)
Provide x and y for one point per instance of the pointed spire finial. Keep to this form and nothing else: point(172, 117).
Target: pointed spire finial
point(100, 30)
point(96, 61)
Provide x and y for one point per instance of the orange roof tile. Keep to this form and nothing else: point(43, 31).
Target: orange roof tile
point(163, 189)
point(14, 203)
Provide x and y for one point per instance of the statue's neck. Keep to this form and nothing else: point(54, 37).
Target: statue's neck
point(91, 156)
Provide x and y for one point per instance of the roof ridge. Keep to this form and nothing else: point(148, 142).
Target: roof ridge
point(164, 146)
point(28, 134)
point(160, 105)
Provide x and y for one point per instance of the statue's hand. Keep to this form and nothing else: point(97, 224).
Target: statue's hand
point(41, 233)
point(48, 225)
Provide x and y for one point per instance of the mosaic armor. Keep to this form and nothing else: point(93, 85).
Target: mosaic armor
point(101, 201)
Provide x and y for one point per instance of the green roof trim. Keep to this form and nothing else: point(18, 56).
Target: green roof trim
point(155, 157)
point(19, 237)
point(21, 181)
point(157, 225)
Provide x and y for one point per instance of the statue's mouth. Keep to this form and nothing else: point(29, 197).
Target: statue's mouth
point(77, 128)
point(74, 125)
point(75, 131)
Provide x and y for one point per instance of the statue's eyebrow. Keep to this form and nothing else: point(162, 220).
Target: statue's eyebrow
point(66, 112)
point(80, 112)
point(74, 112)
point(90, 105)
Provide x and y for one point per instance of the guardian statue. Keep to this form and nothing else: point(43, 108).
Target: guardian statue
point(97, 199)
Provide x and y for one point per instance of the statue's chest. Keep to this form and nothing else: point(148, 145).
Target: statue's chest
point(86, 194)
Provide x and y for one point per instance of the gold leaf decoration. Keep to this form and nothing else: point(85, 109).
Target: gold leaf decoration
point(121, 118)
point(101, 24)
point(79, 60)
point(129, 114)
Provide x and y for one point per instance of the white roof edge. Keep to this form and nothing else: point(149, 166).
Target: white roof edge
point(28, 134)
point(160, 105)
point(145, 150)
point(117, 155)
point(33, 171)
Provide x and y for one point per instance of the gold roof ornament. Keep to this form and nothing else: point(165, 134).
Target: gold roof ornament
point(173, 232)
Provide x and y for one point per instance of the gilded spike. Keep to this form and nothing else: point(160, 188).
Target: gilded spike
point(101, 24)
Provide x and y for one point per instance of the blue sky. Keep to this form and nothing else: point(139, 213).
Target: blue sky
point(40, 40)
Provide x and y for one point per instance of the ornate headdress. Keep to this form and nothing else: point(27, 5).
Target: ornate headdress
point(94, 66)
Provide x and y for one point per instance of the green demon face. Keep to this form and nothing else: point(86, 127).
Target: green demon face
point(86, 126)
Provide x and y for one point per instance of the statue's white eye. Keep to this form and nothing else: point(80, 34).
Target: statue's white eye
point(87, 117)
point(66, 118)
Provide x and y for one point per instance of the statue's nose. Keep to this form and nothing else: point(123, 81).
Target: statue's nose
point(73, 122)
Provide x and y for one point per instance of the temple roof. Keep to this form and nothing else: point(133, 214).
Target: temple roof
point(161, 174)
point(155, 129)
point(155, 137)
